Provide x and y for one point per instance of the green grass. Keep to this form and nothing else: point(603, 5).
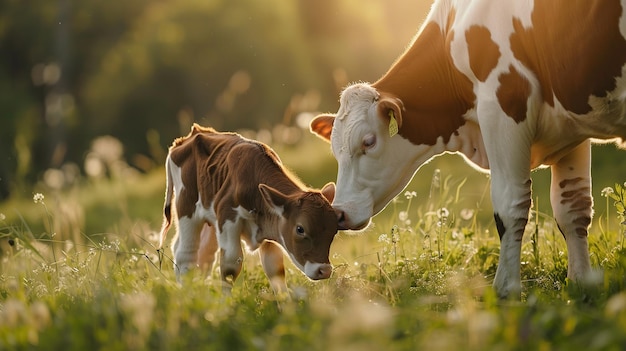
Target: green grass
point(419, 278)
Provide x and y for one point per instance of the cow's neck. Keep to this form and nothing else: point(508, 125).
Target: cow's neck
point(434, 93)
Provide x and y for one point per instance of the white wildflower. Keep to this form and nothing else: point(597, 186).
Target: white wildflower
point(607, 191)
point(38, 198)
point(443, 213)
point(456, 235)
point(410, 194)
point(467, 214)
point(383, 238)
point(2, 217)
point(403, 216)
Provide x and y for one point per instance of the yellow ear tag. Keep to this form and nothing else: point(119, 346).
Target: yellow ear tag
point(393, 124)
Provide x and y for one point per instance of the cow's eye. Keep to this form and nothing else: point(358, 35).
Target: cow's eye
point(300, 230)
point(369, 141)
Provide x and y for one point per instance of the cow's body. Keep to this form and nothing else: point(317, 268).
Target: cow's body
point(509, 84)
point(228, 189)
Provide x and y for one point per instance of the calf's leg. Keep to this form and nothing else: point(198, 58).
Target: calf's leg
point(273, 265)
point(208, 248)
point(186, 245)
point(231, 253)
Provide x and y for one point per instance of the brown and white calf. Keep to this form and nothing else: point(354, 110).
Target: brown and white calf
point(509, 84)
point(228, 189)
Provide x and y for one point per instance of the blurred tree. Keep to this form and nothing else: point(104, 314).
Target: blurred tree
point(74, 70)
point(43, 60)
point(229, 64)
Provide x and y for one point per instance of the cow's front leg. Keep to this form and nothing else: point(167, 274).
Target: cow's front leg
point(208, 248)
point(570, 194)
point(511, 202)
point(231, 253)
point(273, 265)
point(185, 246)
point(508, 143)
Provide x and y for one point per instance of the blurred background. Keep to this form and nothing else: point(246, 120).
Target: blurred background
point(139, 73)
point(95, 90)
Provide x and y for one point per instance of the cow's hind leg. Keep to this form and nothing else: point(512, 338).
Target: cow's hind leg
point(208, 249)
point(570, 194)
point(186, 245)
point(273, 265)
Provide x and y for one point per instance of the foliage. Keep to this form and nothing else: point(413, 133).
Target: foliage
point(419, 278)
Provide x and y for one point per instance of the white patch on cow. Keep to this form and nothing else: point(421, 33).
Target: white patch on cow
point(278, 210)
point(244, 213)
point(176, 173)
point(207, 214)
point(250, 230)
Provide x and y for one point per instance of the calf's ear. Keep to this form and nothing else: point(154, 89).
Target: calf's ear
point(329, 191)
point(274, 199)
point(322, 126)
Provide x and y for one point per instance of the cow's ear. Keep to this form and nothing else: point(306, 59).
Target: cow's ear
point(274, 199)
point(322, 126)
point(329, 191)
point(391, 108)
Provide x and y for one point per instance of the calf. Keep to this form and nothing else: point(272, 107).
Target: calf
point(509, 84)
point(229, 189)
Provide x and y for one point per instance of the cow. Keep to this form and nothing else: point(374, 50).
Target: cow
point(511, 85)
point(227, 190)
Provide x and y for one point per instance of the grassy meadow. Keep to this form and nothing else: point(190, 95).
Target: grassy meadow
point(80, 270)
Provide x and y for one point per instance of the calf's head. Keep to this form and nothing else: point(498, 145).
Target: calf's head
point(373, 165)
point(307, 225)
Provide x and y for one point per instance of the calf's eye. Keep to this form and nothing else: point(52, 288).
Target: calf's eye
point(300, 230)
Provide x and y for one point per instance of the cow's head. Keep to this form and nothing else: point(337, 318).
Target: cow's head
point(374, 166)
point(307, 226)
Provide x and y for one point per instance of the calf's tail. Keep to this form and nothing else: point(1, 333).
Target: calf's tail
point(167, 206)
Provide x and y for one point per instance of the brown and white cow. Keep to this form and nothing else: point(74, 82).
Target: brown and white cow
point(228, 189)
point(509, 84)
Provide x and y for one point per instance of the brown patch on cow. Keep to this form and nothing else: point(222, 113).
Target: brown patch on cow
point(582, 204)
point(568, 182)
point(484, 53)
point(584, 223)
point(579, 201)
point(579, 195)
point(574, 48)
point(434, 92)
point(513, 94)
